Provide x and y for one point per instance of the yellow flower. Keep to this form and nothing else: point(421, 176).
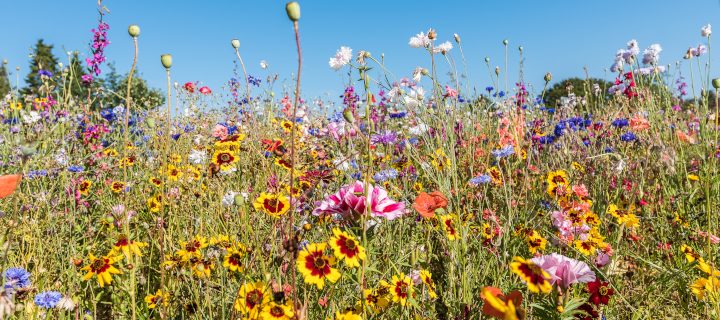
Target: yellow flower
point(347, 315)
point(426, 277)
point(84, 187)
point(629, 220)
point(707, 268)
point(449, 226)
point(693, 177)
point(273, 204)
point(586, 247)
point(418, 187)
point(535, 242)
point(175, 158)
point(202, 267)
point(174, 173)
point(159, 298)
point(346, 248)
point(110, 152)
point(316, 266)
point(690, 254)
point(224, 159)
point(102, 268)
point(495, 175)
point(274, 310)
point(233, 259)
point(191, 249)
point(376, 300)
point(401, 288)
point(128, 247)
point(154, 203)
point(706, 289)
point(537, 279)
point(117, 186)
point(440, 161)
point(252, 297)
point(578, 167)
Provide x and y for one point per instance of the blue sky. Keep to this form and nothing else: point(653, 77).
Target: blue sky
point(558, 36)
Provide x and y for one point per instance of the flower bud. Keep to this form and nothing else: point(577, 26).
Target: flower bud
point(457, 38)
point(235, 43)
point(520, 48)
point(166, 60)
point(548, 77)
point(239, 200)
point(134, 30)
point(293, 10)
point(716, 83)
point(425, 72)
point(497, 71)
point(487, 59)
point(432, 35)
point(505, 42)
point(348, 115)
point(5, 61)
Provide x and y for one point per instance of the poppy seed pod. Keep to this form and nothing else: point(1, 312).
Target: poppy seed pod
point(293, 10)
point(166, 60)
point(520, 48)
point(235, 43)
point(5, 62)
point(348, 115)
point(487, 59)
point(716, 83)
point(548, 77)
point(134, 30)
point(457, 38)
point(505, 42)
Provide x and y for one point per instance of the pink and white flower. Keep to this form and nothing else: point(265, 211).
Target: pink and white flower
point(350, 202)
point(564, 271)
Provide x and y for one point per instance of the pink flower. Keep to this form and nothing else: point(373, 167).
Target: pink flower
point(205, 90)
point(638, 123)
point(580, 190)
point(563, 270)
point(220, 132)
point(450, 92)
point(713, 238)
point(602, 259)
point(189, 87)
point(350, 202)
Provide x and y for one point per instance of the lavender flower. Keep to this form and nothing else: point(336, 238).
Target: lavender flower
point(504, 152)
point(387, 137)
point(481, 179)
point(385, 175)
point(47, 299)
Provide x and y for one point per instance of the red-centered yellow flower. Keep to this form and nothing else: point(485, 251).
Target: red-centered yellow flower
point(117, 186)
point(174, 173)
point(629, 220)
point(558, 177)
point(128, 161)
point(495, 175)
point(110, 152)
point(224, 241)
point(233, 259)
point(128, 247)
point(102, 268)
point(586, 247)
point(347, 248)
point(276, 311)
point(535, 242)
point(375, 300)
point(347, 315)
point(160, 298)
point(191, 249)
point(500, 306)
point(224, 158)
point(282, 163)
point(448, 224)
point(156, 181)
point(202, 267)
point(401, 288)
point(315, 266)
point(690, 254)
point(273, 204)
point(84, 187)
point(175, 158)
point(155, 203)
point(535, 277)
point(426, 277)
point(251, 299)
point(193, 172)
point(286, 125)
point(706, 289)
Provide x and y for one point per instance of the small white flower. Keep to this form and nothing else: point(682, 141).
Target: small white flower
point(706, 31)
point(342, 57)
point(66, 304)
point(31, 117)
point(229, 198)
point(197, 156)
point(443, 47)
point(263, 64)
point(417, 74)
point(228, 171)
point(61, 157)
point(421, 40)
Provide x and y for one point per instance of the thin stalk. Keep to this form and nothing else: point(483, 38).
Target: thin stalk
point(247, 81)
point(292, 156)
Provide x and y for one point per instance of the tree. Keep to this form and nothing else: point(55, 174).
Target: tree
point(143, 97)
point(580, 87)
point(42, 59)
point(4, 81)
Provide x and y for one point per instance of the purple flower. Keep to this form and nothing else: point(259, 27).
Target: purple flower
point(387, 137)
point(563, 270)
point(504, 152)
point(45, 73)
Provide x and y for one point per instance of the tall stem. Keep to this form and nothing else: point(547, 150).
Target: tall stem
point(133, 294)
point(247, 81)
point(292, 156)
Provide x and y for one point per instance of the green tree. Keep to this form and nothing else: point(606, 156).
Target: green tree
point(143, 96)
point(42, 59)
point(580, 87)
point(4, 81)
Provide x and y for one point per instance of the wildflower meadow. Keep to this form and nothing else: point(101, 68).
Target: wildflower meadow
point(428, 195)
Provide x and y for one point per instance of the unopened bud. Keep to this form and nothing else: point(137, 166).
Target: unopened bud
point(432, 35)
point(505, 42)
point(134, 30)
point(497, 71)
point(716, 83)
point(425, 72)
point(166, 60)
point(348, 115)
point(293, 10)
point(548, 77)
point(457, 38)
point(520, 48)
point(487, 59)
point(235, 43)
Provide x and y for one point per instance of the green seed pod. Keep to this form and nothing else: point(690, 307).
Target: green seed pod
point(166, 60)
point(134, 30)
point(497, 71)
point(348, 115)
point(505, 42)
point(150, 122)
point(235, 43)
point(293, 10)
point(239, 200)
point(487, 59)
point(716, 83)
point(548, 77)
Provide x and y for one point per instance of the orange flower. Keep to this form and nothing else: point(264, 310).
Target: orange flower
point(427, 203)
point(639, 123)
point(500, 306)
point(8, 184)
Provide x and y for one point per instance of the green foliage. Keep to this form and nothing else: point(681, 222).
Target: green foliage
point(4, 81)
point(580, 87)
point(42, 59)
point(143, 96)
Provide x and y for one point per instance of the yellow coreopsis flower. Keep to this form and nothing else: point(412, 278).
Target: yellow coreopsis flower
point(401, 288)
point(102, 268)
point(160, 298)
point(316, 266)
point(251, 299)
point(346, 248)
point(128, 247)
point(537, 279)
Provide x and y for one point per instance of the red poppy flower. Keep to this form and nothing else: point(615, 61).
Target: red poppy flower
point(8, 184)
point(189, 87)
point(427, 203)
point(205, 90)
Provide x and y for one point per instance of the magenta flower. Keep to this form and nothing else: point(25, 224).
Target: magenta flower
point(565, 271)
point(350, 202)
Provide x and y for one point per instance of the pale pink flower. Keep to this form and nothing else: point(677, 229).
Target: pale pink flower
point(563, 270)
point(580, 190)
point(450, 92)
point(350, 202)
point(639, 123)
point(713, 238)
point(220, 131)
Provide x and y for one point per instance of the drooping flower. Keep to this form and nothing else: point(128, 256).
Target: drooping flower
point(564, 271)
point(102, 268)
point(504, 307)
point(350, 202)
point(346, 248)
point(316, 266)
point(537, 279)
point(426, 278)
point(342, 57)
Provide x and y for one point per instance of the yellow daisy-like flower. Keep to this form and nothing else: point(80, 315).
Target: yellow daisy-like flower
point(586, 247)
point(110, 152)
point(346, 248)
point(174, 173)
point(16, 106)
point(376, 300)
point(274, 310)
point(426, 277)
point(155, 181)
point(629, 220)
point(176, 158)
point(708, 268)
point(84, 187)
point(347, 315)
point(202, 267)
point(273, 204)
point(233, 259)
point(495, 175)
point(401, 288)
point(537, 279)
point(102, 268)
point(418, 187)
point(128, 247)
point(448, 224)
point(690, 254)
point(160, 298)
point(286, 125)
point(155, 203)
point(316, 266)
point(225, 241)
point(191, 249)
point(224, 159)
point(535, 242)
point(117, 186)
point(440, 161)
point(251, 299)
point(706, 289)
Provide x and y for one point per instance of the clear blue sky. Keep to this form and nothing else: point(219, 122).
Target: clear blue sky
point(558, 36)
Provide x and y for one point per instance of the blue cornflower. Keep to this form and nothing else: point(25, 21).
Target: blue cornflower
point(47, 299)
point(357, 175)
point(45, 73)
point(504, 152)
point(385, 175)
point(108, 114)
point(481, 179)
point(254, 81)
point(489, 89)
point(386, 137)
point(546, 139)
point(76, 168)
point(176, 136)
point(17, 278)
point(36, 174)
point(628, 137)
point(396, 115)
point(619, 123)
